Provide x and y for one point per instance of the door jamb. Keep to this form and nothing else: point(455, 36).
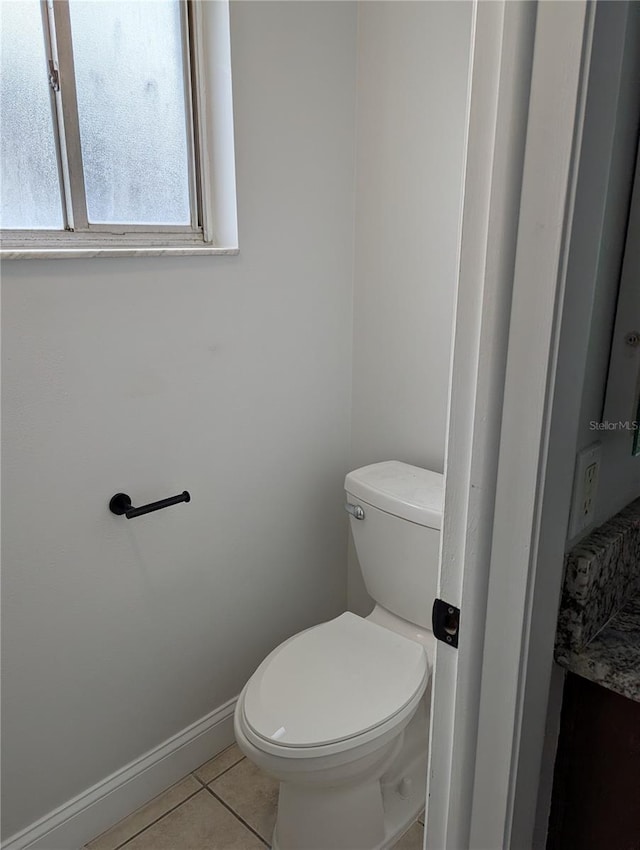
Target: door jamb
point(519, 191)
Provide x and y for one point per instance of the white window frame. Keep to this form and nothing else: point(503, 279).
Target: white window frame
point(213, 228)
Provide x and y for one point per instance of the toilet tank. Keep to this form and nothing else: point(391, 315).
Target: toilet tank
point(398, 540)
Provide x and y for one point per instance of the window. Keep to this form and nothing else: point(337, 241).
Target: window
point(104, 127)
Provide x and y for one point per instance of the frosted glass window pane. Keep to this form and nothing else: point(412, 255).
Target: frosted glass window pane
point(29, 189)
point(131, 105)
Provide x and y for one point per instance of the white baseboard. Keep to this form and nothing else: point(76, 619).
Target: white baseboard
point(76, 822)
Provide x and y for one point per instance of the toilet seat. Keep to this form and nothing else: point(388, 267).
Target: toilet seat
point(333, 687)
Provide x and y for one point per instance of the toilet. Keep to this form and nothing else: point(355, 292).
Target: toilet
point(339, 713)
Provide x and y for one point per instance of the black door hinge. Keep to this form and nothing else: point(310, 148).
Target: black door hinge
point(446, 622)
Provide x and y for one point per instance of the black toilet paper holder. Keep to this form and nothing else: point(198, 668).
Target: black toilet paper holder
point(120, 504)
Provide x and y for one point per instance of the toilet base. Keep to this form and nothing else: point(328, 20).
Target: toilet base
point(372, 818)
point(370, 815)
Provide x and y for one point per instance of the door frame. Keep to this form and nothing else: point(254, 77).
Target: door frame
point(529, 68)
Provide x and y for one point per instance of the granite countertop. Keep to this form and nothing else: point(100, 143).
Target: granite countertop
point(612, 657)
point(598, 634)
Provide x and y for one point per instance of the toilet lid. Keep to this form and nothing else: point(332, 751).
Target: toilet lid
point(333, 682)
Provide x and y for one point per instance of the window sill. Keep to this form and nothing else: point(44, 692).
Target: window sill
point(77, 252)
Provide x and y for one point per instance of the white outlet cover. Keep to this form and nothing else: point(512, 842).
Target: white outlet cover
point(585, 487)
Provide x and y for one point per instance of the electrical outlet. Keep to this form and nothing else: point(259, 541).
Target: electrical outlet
point(585, 485)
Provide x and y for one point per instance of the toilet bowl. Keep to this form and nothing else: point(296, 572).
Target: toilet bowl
point(339, 713)
point(331, 742)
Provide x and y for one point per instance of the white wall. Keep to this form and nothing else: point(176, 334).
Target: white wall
point(619, 480)
point(226, 376)
point(413, 62)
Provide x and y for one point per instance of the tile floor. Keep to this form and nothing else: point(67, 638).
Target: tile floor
point(226, 804)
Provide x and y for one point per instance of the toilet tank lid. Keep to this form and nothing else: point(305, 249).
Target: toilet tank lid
point(397, 488)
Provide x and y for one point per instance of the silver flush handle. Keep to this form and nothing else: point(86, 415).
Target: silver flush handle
point(355, 510)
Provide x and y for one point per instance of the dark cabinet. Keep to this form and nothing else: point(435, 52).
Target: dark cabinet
point(596, 787)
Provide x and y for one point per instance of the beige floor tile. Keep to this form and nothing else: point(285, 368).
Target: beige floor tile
point(252, 794)
point(411, 840)
point(141, 818)
point(201, 823)
point(214, 767)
